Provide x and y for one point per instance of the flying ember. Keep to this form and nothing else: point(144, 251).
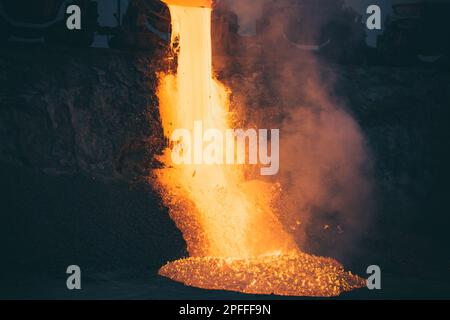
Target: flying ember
point(233, 235)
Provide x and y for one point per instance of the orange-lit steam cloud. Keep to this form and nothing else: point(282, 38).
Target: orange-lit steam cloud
point(327, 189)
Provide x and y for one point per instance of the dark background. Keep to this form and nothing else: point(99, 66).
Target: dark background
point(79, 131)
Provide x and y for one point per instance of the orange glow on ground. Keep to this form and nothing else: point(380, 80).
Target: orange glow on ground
point(297, 274)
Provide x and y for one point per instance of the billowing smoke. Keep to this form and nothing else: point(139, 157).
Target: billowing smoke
point(248, 12)
point(325, 164)
point(325, 167)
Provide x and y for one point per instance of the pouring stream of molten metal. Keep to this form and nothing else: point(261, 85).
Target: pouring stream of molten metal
point(234, 238)
point(235, 217)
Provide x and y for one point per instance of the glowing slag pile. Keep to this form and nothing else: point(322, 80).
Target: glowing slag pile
point(296, 274)
point(233, 236)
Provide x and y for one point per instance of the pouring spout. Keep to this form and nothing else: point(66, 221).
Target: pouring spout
point(190, 3)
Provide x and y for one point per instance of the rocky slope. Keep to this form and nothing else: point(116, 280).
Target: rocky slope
point(66, 111)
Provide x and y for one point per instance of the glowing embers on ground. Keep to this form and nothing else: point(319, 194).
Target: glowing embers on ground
point(296, 274)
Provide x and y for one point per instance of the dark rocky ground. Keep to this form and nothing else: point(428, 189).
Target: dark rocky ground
point(79, 131)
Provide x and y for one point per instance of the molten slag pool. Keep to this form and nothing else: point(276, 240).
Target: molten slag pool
point(296, 274)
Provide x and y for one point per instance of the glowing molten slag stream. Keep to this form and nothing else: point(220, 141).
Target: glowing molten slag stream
point(222, 215)
point(234, 238)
